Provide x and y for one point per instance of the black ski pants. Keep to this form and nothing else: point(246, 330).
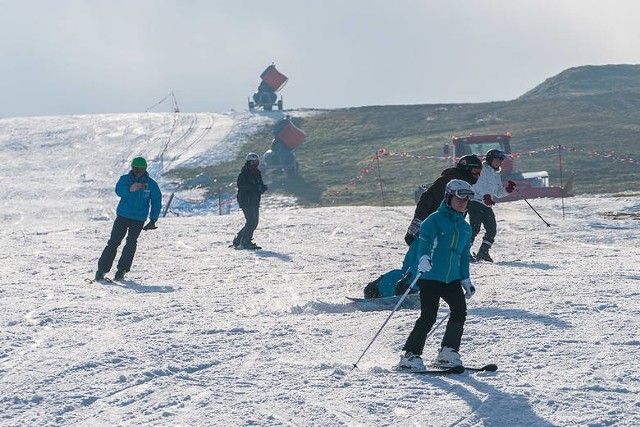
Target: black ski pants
point(430, 293)
point(121, 227)
point(482, 215)
point(251, 216)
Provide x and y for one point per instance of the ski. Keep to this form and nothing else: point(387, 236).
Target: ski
point(436, 371)
point(103, 280)
point(238, 248)
point(491, 367)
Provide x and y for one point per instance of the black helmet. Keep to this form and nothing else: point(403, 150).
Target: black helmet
point(493, 154)
point(468, 162)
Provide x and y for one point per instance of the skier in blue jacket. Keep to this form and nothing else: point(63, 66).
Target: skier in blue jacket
point(443, 261)
point(140, 197)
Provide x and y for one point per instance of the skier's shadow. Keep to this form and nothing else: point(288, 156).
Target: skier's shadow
point(496, 408)
point(524, 315)
point(142, 289)
point(270, 254)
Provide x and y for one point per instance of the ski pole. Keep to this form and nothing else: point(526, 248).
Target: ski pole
point(436, 327)
point(355, 365)
point(523, 198)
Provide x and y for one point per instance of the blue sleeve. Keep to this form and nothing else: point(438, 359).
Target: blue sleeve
point(428, 232)
point(122, 186)
point(156, 202)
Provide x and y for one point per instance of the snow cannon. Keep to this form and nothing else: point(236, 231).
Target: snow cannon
point(280, 156)
point(288, 133)
point(265, 97)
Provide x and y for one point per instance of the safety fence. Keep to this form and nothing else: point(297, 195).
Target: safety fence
point(218, 204)
point(358, 179)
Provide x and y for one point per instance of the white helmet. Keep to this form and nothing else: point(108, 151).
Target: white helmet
point(458, 188)
point(252, 157)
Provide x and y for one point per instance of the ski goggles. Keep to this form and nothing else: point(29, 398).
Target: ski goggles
point(463, 194)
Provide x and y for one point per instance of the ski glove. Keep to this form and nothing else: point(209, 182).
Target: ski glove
point(469, 289)
point(487, 200)
point(414, 228)
point(409, 238)
point(151, 225)
point(511, 186)
point(262, 188)
point(424, 264)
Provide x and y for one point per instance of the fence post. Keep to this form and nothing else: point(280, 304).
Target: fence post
point(380, 177)
point(168, 204)
point(220, 202)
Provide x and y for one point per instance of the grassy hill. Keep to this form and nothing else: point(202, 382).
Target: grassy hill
point(592, 109)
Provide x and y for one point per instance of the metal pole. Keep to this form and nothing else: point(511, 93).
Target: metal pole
point(380, 178)
point(355, 365)
point(548, 225)
point(168, 204)
point(561, 183)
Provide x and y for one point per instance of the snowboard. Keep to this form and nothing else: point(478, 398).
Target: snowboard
point(412, 301)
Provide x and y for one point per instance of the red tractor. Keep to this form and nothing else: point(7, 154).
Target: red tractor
point(529, 184)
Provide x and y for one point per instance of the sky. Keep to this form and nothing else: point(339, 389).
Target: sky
point(116, 56)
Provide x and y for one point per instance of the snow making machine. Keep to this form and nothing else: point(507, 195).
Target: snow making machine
point(529, 184)
point(280, 156)
point(265, 97)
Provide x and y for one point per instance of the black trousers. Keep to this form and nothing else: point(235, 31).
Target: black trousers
point(430, 293)
point(480, 214)
point(251, 216)
point(121, 227)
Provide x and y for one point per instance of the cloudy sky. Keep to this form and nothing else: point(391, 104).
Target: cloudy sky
point(113, 56)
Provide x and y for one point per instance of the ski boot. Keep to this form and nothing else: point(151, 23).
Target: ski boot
point(483, 253)
point(120, 274)
point(448, 358)
point(411, 362)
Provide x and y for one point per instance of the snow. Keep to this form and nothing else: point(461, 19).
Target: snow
point(203, 335)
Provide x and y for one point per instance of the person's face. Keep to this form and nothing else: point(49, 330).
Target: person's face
point(254, 163)
point(459, 204)
point(495, 163)
point(475, 172)
point(138, 172)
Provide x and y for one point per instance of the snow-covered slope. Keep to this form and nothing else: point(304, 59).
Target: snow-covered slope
point(201, 334)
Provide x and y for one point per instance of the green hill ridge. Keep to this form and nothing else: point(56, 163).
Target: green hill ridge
point(590, 109)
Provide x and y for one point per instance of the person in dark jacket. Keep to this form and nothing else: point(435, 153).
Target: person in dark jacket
point(140, 197)
point(250, 190)
point(467, 169)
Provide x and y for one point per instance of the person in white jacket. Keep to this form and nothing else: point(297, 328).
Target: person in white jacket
point(488, 187)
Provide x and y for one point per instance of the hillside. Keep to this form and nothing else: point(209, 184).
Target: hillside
point(591, 109)
point(588, 80)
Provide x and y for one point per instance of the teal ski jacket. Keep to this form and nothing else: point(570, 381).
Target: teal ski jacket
point(136, 204)
point(446, 237)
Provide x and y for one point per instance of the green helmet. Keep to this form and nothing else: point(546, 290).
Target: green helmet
point(139, 162)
